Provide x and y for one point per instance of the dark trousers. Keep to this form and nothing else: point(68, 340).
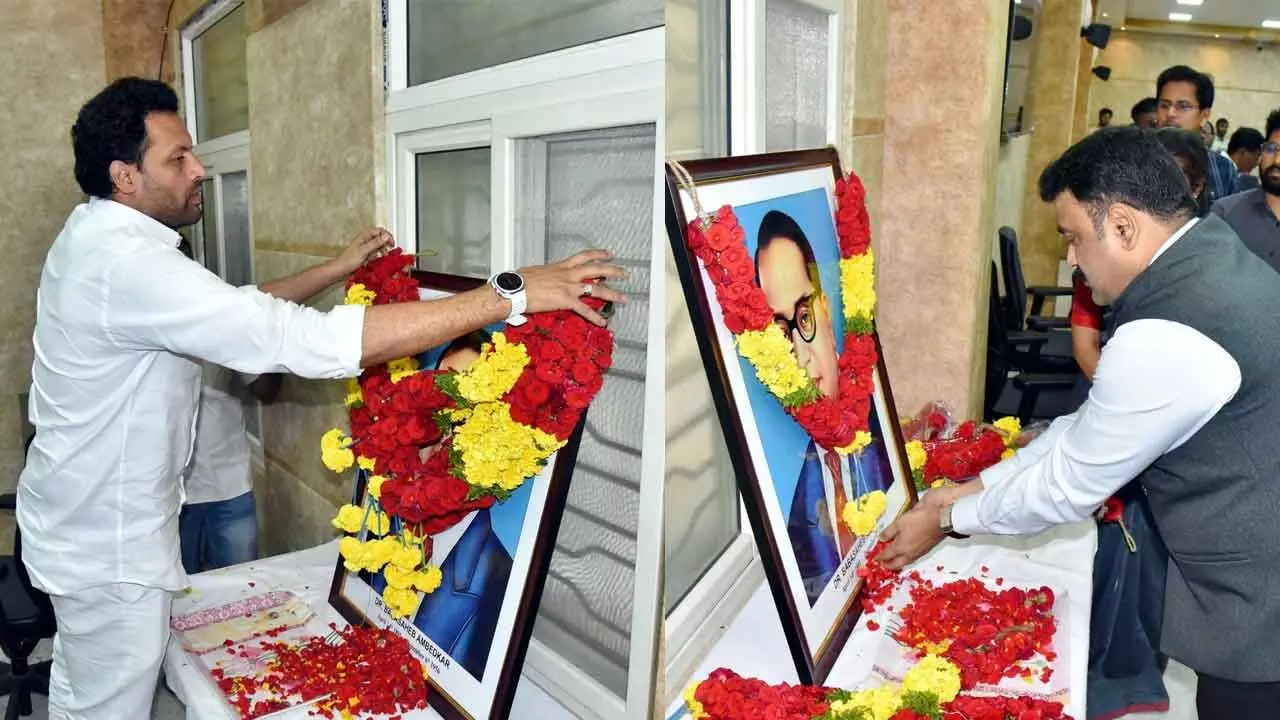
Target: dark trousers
point(1219, 699)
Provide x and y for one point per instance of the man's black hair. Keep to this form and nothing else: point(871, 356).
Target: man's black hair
point(471, 341)
point(112, 126)
point(1189, 147)
point(1120, 165)
point(1246, 138)
point(1145, 106)
point(1273, 123)
point(1105, 111)
point(1183, 73)
point(776, 224)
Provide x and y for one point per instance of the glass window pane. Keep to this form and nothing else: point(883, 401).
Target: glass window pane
point(208, 252)
point(697, 87)
point(453, 211)
point(221, 80)
point(451, 37)
point(701, 494)
point(597, 190)
point(235, 223)
point(795, 75)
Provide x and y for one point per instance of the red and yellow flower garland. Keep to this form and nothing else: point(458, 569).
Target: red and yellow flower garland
point(840, 423)
point(495, 424)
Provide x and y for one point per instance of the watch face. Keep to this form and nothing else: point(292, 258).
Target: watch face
point(509, 282)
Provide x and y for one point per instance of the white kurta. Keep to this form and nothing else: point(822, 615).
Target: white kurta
point(121, 315)
point(220, 466)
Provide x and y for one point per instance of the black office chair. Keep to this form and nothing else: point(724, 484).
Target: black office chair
point(1017, 291)
point(1014, 384)
point(26, 618)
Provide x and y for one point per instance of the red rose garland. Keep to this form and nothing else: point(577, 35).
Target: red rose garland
point(831, 422)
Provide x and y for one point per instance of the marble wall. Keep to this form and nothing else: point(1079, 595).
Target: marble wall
point(938, 198)
point(53, 60)
point(1247, 82)
point(1055, 64)
point(315, 116)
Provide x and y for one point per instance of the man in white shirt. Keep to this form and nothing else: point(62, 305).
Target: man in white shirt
point(218, 525)
point(122, 317)
point(1185, 399)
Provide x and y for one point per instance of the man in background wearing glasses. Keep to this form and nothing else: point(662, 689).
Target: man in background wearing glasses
point(1184, 98)
point(1255, 214)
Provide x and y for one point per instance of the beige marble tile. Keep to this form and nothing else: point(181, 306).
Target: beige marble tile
point(294, 516)
point(938, 198)
point(41, 99)
point(132, 36)
point(315, 107)
point(1051, 90)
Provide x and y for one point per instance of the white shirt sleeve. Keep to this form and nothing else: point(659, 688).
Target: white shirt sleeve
point(1157, 383)
point(160, 300)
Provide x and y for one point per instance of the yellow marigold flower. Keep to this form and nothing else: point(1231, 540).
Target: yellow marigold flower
point(427, 579)
point(858, 286)
point(938, 482)
point(1011, 427)
point(375, 483)
point(691, 701)
point(358, 294)
point(354, 395)
point(349, 519)
point(863, 514)
point(364, 463)
point(400, 601)
point(881, 702)
point(935, 675)
point(1008, 453)
point(861, 439)
point(936, 648)
point(352, 552)
point(335, 451)
point(379, 553)
point(407, 557)
point(498, 452)
point(916, 455)
point(398, 577)
point(408, 538)
point(495, 372)
point(402, 368)
point(379, 523)
point(771, 354)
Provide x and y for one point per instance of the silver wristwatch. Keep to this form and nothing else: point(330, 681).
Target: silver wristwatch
point(944, 520)
point(510, 285)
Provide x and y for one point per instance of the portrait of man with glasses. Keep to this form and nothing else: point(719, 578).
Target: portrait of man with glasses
point(788, 272)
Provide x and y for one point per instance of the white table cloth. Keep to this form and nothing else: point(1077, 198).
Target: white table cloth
point(307, 573)
point(755, 646)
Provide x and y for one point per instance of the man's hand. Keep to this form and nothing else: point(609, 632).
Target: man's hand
point(912, 535)
point(560, 286)
point(367, 244)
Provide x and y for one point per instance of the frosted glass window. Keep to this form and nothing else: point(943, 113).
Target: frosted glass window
point(453, 211)
point(595, 189)
point(700, 513)
point(697, 78)
point(452, 37)
point(797, 38)
point(208, 252)
point(221, 78)
point(234, 216)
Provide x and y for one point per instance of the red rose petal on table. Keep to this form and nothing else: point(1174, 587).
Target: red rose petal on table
point(985, 570)
point(872, 625)
point(1000, 581)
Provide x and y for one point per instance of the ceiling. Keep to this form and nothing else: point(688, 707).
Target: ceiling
point(1220, 13)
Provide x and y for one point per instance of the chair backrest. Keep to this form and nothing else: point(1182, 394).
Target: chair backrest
point(997, 347)
point(1015, 285)
point(38, 597)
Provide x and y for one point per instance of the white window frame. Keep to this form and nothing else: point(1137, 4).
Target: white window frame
point(746, 71)
point(220, 156)
point(698, 622)
point(616, 82)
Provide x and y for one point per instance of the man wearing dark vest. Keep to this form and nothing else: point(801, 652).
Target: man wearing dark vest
point(1186, 399)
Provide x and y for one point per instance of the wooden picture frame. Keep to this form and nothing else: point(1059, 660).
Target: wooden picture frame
point(456, 692)
point(817, 616)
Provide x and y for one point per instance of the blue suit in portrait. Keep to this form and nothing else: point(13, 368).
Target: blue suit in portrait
point(462, 614)
point(808, 523)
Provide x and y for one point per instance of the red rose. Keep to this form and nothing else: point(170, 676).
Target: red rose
point(535, 392)
point(550, 351)
point(584, 372)
point(549, 373)
point(577, 398)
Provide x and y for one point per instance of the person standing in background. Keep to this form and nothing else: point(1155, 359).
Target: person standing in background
point(1185, 99)
point(1245, 150)
point(1143, 113)
point(1219, 142)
